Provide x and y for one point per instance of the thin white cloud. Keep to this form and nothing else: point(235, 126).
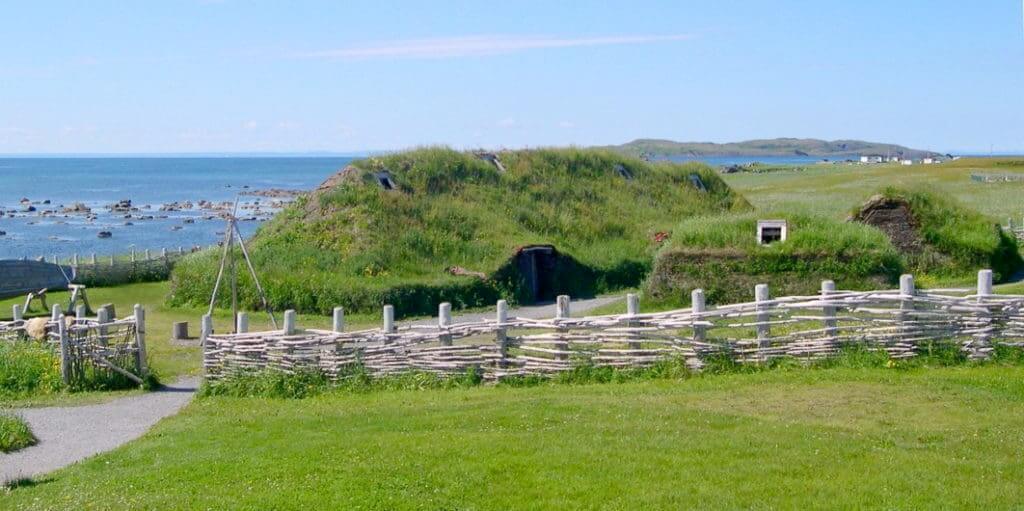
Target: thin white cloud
point(477, 46)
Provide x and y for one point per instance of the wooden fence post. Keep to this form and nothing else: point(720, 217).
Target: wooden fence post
point(389, 319)
point(65, 351)
point(205, 329)
point(140, 341)
point(289, 322)
point(80, 314)
point(111, 260)
point(632, 309)
point(698, 305)
point(55, 312)
point(16, 313)
point(74, 259)
point(562, 312)
point(828, 287)
point(632, 304)
point(501, 316)
point(338, 320)
point(242, 323)
point(133, 254)
point(102, 317)
point(92, 259)
point(981, 344)
point(444, 320)
point(764, 331)
point(907, 292)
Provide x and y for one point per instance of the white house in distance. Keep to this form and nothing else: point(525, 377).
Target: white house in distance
point(928, 161)
point(907, 162)
point(872, 158)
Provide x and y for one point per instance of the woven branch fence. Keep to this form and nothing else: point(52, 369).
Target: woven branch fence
point(898, 321)
point(88, 344)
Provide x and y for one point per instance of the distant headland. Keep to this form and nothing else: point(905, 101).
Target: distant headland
point(769, 147)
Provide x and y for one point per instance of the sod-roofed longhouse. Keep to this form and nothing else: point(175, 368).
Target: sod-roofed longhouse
point(724, 256)
point(895, 231)
point(938, 235)
point(419, 227)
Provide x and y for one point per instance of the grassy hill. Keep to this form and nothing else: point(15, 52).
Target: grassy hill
point(769, 147)
point(355, 244)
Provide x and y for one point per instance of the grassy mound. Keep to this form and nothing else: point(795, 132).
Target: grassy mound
point(721, 255)
point(14, 434)
point(353, 243)
point(941, 236)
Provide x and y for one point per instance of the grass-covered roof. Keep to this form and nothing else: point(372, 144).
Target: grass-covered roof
point(953, 239)
point(355, 243)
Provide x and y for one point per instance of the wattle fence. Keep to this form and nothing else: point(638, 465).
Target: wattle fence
point(899, 321)
point(86, 344)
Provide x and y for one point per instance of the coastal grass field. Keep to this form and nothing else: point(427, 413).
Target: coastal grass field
point(835, 189)
point(847, 437)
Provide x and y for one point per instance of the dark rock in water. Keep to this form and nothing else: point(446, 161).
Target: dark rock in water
point(175, 227)
point(30, 209)
point(104, 234)
point(3, 233)
point(122, 205)
point(188, 221)
point(47, 201)
point(128, 223)
point(77, 207)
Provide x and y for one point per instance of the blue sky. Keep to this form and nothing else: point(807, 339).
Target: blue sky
point(233, 75)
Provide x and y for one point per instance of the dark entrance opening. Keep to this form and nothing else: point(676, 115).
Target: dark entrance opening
point(537, 264)
point(624, 172)
point(770, 235)
point(698, 183)
point(384, 180)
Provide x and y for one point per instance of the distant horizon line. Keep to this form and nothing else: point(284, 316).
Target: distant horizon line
point(341, 154)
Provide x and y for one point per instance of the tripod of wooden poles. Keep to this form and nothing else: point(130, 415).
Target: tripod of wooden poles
point(227, 259)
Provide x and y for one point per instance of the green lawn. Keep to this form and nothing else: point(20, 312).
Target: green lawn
point(838, 438)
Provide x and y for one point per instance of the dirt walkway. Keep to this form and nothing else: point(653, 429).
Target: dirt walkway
point(70, 434)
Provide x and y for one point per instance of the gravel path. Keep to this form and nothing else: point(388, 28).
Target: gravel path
point(70, 434)
point(576, 307)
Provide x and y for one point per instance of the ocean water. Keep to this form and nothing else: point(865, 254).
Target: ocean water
point(152, 182)
point(99, 182)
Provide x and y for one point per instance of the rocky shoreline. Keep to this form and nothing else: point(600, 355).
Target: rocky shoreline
point(125, 211)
